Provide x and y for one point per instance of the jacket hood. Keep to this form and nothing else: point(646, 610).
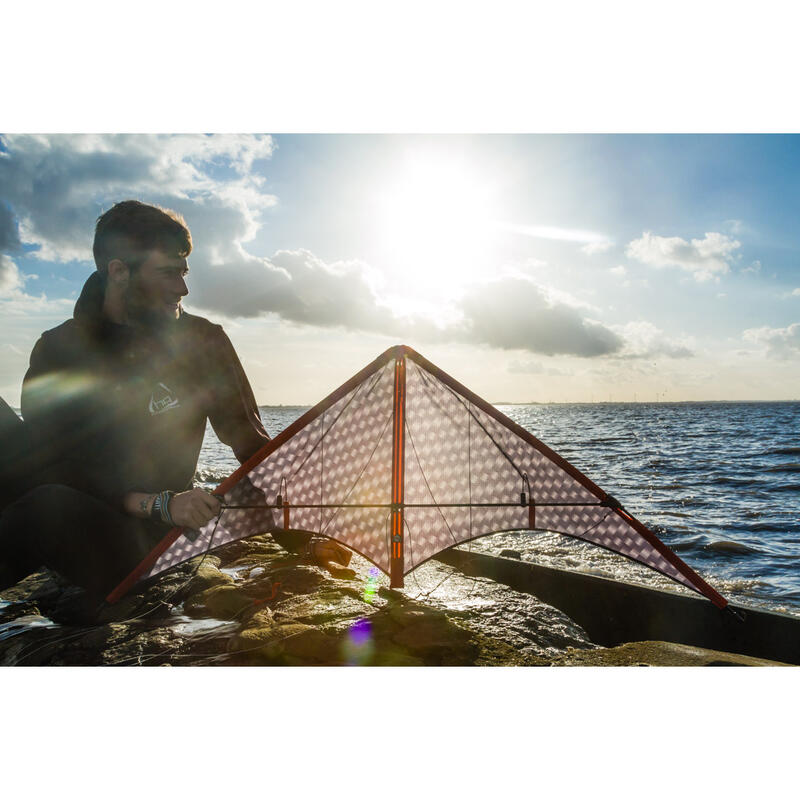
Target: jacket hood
point(89, 307)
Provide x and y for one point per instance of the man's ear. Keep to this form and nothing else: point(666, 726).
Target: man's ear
point(118, 273)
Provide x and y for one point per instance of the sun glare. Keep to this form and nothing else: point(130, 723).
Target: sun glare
point(433, 225)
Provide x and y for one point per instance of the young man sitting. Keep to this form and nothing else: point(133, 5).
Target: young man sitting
point(115, 404)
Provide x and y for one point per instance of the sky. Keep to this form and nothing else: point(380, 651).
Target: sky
point(532, 268)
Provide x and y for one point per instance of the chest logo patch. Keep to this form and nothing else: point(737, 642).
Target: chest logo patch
point(162, 399)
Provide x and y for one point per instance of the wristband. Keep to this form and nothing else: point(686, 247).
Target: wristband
point(160, 509)
point(155, 509)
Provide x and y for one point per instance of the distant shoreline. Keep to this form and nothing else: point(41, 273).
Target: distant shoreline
point(575, 403)
point(589, 403)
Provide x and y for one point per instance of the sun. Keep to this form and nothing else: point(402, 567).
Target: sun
point(433, 225)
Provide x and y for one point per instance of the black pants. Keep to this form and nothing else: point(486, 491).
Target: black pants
point(46, 524)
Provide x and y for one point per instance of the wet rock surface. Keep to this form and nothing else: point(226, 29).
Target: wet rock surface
point(251, 603)
point(659, 654)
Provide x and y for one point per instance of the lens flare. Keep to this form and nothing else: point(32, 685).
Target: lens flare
point(371, 589)
point(358, 646)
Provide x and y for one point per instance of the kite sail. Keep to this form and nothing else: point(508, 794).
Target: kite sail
point(402, 462)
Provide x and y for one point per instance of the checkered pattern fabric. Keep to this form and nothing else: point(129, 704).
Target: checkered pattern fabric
point(455, 453)
point(342, 456)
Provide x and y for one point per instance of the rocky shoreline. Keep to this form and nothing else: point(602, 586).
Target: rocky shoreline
point(250, 603)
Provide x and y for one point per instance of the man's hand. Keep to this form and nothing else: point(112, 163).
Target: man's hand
point(194, 508)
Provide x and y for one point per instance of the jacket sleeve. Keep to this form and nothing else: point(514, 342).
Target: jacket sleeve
point(237, 422)
point(234, 413)
point(68, 432)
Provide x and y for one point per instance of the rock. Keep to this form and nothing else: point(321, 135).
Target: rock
point(263, 618)
point(408, 615)
point(329, 609)
point(132, 606)
point(98, 637)
point(259, 632)
point(43, 585)
point(262, 588)
point(730, 548)
point(311, 645)
point(149, 647)
point(657, 654)
point(207, 575)
point(247, 548)
point(223, 602)
point(293, 644)
point(337, 571)
point(438, 641)
point(510, 554)
point(395, 657)
point(298, 578)
point(275, 609)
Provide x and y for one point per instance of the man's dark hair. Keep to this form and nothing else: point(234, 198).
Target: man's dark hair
point(130, 229)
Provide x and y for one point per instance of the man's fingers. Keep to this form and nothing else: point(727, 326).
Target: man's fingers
point(194, 508)
point(206, 509)
point(203, 505)
point(210, 502)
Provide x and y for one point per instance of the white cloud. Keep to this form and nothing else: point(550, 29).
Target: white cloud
point(705, 258)
point(533, 368)
point(782, 343)
point(57, 185)
point(643, 340)
point(10, 279)
point(514, 313)
point(754, 267)
point(796, 292)
point(619, 271)
point(300, 288)
point(14, 302)
point(596, 247)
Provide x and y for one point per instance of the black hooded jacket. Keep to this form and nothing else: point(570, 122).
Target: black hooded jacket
point(118, 410)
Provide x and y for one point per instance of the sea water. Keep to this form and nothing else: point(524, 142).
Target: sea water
point(719, 483)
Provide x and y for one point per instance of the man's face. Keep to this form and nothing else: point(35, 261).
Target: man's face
point(156, 288)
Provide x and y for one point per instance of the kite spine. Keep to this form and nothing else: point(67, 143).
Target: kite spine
point(396, 569)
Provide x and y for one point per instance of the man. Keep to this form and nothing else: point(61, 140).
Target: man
point(115, 404)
